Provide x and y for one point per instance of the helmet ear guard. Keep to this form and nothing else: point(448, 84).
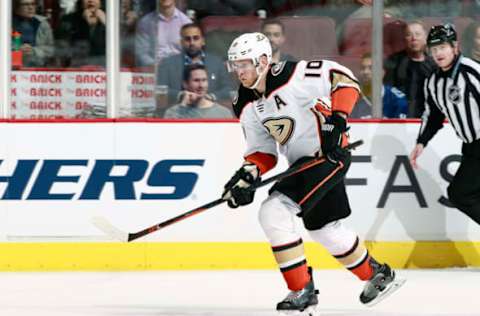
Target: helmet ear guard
point(439, 34)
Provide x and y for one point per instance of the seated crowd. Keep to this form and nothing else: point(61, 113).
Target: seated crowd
point(185, 42)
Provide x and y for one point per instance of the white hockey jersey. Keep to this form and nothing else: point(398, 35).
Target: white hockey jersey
point(285, 114)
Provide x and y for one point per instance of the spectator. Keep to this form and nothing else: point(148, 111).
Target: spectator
point(86, 23)
point(193, 42)
point(129, 18)
point(394, 101)
point(37, 37)
point(151, 46)
point(195, 101)
point(275, 31)
point(471, 41)
point(408, 69)
point(143, 7)
point(128, 23)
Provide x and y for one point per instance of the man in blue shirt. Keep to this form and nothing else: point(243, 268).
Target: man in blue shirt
point(394, 101)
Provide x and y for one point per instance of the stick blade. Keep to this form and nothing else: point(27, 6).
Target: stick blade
point(105, 226)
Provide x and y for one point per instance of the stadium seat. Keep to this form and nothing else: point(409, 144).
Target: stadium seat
point(231, 23)
point(356, 39)
point(430, 21)
point(309, 36)
point(461, 23)
point(221, 30)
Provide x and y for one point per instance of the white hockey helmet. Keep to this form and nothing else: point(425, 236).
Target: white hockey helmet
point(249, 46)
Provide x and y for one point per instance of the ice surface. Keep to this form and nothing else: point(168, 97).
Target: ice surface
point(452, 292)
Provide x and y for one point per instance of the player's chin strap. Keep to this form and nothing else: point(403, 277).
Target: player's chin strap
point(260, 76)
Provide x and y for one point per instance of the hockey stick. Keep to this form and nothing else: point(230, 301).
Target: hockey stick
point(104, 225)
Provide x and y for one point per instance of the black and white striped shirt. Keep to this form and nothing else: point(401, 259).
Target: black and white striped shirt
point(453, 94)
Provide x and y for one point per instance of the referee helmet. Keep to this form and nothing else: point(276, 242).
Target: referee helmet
point(444, 33)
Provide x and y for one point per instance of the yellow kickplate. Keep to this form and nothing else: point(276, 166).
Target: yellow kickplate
point(98, 256)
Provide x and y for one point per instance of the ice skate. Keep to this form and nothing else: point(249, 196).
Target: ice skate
point(300, 303)
point(382, 284)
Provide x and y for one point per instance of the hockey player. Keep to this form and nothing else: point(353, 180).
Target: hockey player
point(277, 105)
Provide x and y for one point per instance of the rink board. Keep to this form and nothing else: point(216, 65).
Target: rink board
point(218, 256)
point(55, 176)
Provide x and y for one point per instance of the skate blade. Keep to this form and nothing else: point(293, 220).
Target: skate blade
point(389, 290)
point(309, 311)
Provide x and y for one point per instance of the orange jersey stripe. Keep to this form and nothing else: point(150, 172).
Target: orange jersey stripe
point(264, 162)
point(344, 99)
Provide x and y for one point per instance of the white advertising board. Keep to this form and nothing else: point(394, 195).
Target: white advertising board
point(55, 177)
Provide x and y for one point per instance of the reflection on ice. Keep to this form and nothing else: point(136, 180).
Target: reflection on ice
point(452, 292)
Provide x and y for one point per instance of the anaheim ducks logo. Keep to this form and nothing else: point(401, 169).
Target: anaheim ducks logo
point(280, 128)
point(260, 37)
point(277, 68)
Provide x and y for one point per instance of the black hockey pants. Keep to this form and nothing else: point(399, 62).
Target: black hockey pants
point(464, 190)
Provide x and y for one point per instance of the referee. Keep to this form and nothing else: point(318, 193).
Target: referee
point(453, 92)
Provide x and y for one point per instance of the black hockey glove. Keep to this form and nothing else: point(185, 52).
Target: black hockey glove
point(332, 130)
point(237, 190)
